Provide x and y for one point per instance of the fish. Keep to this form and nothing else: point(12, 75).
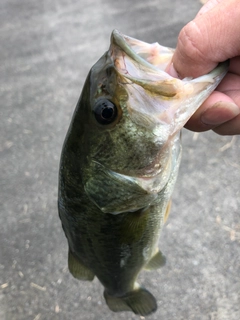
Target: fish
point(119, 164)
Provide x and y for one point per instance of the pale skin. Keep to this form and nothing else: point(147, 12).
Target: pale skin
point(212, 37)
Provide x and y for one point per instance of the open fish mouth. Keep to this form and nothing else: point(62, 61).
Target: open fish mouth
point(129, 54)
point(155, 99)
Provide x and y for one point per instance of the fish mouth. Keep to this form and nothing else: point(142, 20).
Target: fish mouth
point(157, 100)
point(142, 63)
point(152, 56)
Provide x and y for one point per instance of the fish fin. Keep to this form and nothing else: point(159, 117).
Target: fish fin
point(116, 304)
point(77, 269)
point(157, 261)
point(140, 301)
point(167, 211)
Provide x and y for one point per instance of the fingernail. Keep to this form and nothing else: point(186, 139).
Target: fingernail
point(172, 71)
point(219, 113)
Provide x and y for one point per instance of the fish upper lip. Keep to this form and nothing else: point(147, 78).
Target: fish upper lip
point(124, 47)
point(144, 81)
point(122, 42)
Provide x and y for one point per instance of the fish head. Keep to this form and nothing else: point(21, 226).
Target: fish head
point(129, 117)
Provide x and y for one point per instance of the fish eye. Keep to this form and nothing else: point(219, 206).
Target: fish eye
point(105, 111)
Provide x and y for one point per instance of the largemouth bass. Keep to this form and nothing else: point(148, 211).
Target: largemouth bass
point(119, 164)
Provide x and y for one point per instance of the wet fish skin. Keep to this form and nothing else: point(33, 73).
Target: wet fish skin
point(117, 171)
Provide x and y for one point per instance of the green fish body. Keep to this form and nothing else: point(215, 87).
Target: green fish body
point(119, 164)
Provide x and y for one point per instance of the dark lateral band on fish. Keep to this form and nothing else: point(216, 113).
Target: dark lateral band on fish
point(119, 164)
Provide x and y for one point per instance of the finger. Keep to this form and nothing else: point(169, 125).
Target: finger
point(234, 66)
point(210, 38)
point(231, 82)
point(230, 86)
point(217, 109)
point(208, 6)
point(231, 127)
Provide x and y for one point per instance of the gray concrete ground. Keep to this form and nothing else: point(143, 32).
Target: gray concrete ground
point(47, 48)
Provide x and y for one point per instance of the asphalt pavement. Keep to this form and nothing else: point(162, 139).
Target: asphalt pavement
point(47, 49)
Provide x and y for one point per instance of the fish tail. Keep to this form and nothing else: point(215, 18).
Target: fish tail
point(140, 301)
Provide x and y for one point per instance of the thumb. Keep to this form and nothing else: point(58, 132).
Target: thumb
point(212, 37)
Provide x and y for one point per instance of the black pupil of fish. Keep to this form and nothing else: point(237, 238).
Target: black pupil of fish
point(105, 112)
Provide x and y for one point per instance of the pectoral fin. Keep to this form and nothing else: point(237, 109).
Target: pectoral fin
point(77, 269)
point(156, 262)
point(140, 301)
point(167, 211)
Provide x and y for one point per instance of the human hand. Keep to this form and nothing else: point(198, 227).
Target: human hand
point(212, 37)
